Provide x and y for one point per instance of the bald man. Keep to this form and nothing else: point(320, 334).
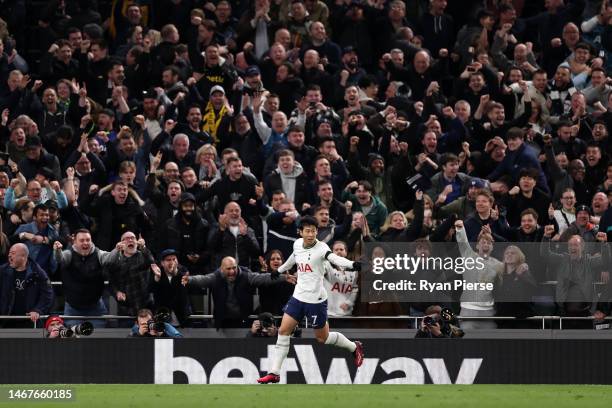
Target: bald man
point(232, 290)
point(233, 237)
point(25, 289)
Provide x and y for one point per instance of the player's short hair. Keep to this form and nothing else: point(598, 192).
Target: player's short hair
point(308, 221)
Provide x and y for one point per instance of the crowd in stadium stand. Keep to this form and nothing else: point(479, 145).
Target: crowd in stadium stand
point(171, 146)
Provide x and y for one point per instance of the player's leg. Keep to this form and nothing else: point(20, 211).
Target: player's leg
point(288, 325)
point(293, 313)
point(336, 339)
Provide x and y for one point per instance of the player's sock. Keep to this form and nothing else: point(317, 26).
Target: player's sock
point(339, 340)
point(282, 349)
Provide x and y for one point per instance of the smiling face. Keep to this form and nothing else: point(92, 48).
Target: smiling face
point(483, 205)
point(528, 223)
point(326, 192)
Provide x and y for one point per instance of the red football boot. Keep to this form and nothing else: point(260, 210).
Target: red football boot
point(358, 353)
point(269, 379)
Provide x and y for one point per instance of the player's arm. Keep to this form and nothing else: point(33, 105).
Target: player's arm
point(340, 261)
point(287, 265)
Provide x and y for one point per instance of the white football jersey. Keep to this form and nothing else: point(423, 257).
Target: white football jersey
point(311, 270)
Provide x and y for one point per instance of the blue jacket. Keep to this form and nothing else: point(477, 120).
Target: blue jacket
point(38, 291)
point(41, 253)
point(523, 158)
point(169, 330)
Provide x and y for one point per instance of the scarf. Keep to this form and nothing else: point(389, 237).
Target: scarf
point(212, 121)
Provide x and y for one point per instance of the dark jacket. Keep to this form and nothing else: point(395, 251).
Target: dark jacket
point(244, 248)
point(281, 236)
point(243, 290)
point(131, 276)
point(38, 291)
point(172, 295)
point(83, 276)
point(522, 158)
point(29, 167)
point(114, 219)
point(186, 239)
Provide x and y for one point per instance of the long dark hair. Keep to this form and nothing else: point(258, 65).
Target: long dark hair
point(269, 256)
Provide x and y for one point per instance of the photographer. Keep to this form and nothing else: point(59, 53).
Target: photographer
point(148, 325)
point(264, 326)
point(53, 327)
point(56, 328)
point(439, 323)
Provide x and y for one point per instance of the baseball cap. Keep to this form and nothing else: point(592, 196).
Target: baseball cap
point(149, 94)
point(53, 319)
point(374, 156)
point(348, 49)
point(33, 141)
point(583, 208)
point(478, 183)
point(52, 204)
point(217, 88)
point(46, 172)
point(107, 112)
point(167, 252)
point(187, 197)
point(252, 71)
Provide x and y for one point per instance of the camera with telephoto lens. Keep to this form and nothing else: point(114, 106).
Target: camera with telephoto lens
point(159, 320)
point(83, 329)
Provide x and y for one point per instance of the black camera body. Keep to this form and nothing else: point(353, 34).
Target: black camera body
point(447, 320)
point(158, 322)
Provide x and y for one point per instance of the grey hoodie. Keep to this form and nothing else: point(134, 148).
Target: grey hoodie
point(288, 180)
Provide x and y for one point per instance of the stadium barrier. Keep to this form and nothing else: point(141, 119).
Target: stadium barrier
point(414, 319)
point(241, 361)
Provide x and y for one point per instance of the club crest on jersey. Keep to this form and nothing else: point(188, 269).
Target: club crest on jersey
point(304, 267)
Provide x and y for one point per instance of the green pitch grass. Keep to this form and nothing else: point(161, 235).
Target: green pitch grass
point(315, 396)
